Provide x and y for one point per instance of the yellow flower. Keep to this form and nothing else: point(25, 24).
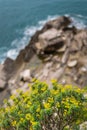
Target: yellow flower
point(14, 123)
point(7, 109)
point(65, 112)
point(19, 112)
point(22, 120)
point(57, 104)
point(34, 79)
point(12, 108)
point(28, 116)
point(54, 92)
point(67, 106)
point(18, 90)
point(35, 91)
point(38, 109)
point(26, 93)
point(53, 80)
point(50, 100)
point(29, 85)
point(12, 97)
point(34, 123)
point(31, 128)
point(68, 87)
point(46, 105)
point(5, 101)
point(43, 89)
point(29, 103)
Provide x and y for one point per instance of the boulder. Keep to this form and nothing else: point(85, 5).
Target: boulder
point(50, 41)
point(83, 126)
point(25, 75)
point(49, 35)
point(8, 65)
point(59, 23)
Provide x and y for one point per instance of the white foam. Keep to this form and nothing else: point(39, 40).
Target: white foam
point(78, 23)
point(29, 31)
point(12, 53)
point(19, 44)
point(77, 20)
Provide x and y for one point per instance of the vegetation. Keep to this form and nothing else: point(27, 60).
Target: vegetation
point(45, 108)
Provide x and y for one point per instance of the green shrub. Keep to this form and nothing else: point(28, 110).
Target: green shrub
point(44, 108)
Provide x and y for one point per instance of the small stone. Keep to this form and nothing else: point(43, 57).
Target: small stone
point(72, 63)
point(83, 126)
point(84, 69)
point(62, 49)
point(63, 37)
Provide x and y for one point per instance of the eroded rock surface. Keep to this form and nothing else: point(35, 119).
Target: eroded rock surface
point(56, 51)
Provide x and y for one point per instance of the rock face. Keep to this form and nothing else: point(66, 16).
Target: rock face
point(59, 23)
point(56, 51)
point(49, 41)
point(2, 78)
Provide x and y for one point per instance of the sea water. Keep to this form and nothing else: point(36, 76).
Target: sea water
point(20, 19)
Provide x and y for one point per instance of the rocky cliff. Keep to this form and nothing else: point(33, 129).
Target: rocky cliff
point(57, 51)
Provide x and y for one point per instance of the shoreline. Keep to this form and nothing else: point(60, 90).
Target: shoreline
point(53, 53)
point(28, 32)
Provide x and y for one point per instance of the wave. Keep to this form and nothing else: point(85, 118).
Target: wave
point(20, 43)
point(28, 31)
point(78, 21)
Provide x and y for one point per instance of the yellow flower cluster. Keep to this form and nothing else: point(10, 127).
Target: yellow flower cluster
point(30, 110)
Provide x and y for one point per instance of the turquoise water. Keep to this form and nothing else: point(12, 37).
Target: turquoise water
point(19, 19)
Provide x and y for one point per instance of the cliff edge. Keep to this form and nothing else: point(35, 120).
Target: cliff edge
point(57, 51)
